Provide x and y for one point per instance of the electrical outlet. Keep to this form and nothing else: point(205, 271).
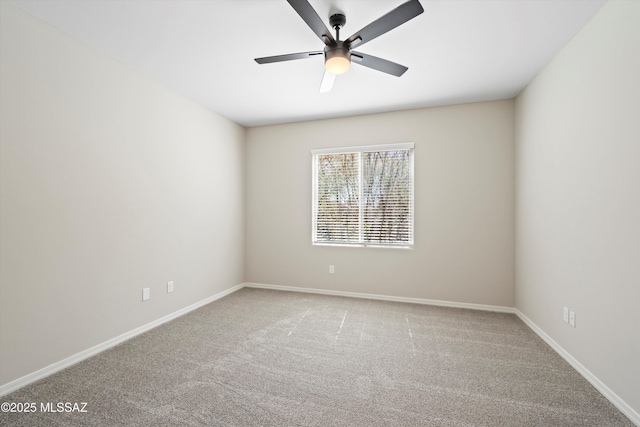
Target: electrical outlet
point(565, 314)
point(170, 287)
point(572, 319)
point(332, 269)
point(146, 294)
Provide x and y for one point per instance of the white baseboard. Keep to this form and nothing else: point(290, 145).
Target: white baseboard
point(599, 385)
point(497, 308)
point(72, 360)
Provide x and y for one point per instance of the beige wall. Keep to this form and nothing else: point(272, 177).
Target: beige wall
point(464, 192)
point(578, 198)
point(109, 183)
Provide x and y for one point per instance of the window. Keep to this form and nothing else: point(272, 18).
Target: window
point(363, 196)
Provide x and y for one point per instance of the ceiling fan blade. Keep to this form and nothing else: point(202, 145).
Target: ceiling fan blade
point(327, 82)
point(388, 22)
point(288, 57)
point(378, 64)
point(310, 16)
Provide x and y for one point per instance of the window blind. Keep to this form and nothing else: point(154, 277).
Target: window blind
point(363, 196)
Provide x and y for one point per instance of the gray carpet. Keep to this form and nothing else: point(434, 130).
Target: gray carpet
point(272, 358)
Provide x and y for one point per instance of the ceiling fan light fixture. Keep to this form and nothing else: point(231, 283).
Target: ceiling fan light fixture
point(337, 59)
point(337, 65)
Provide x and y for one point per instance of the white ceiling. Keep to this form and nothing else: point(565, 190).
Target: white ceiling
point(456, 51)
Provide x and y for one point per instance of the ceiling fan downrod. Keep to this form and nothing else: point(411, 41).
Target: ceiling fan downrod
point(337, 21)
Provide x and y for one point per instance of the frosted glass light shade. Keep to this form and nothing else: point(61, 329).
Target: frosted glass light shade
point(337, 64)
point(337, 58)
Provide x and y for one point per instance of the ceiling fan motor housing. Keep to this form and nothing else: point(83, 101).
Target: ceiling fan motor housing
point(338, 54)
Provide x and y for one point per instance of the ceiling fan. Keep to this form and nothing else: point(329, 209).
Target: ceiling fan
point(338, 54)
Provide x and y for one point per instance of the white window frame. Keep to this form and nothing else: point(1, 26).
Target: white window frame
point(361, 149)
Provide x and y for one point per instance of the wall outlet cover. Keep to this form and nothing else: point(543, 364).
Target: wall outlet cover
point(572, 319)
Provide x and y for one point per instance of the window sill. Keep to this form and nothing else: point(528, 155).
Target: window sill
point(362, 245)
